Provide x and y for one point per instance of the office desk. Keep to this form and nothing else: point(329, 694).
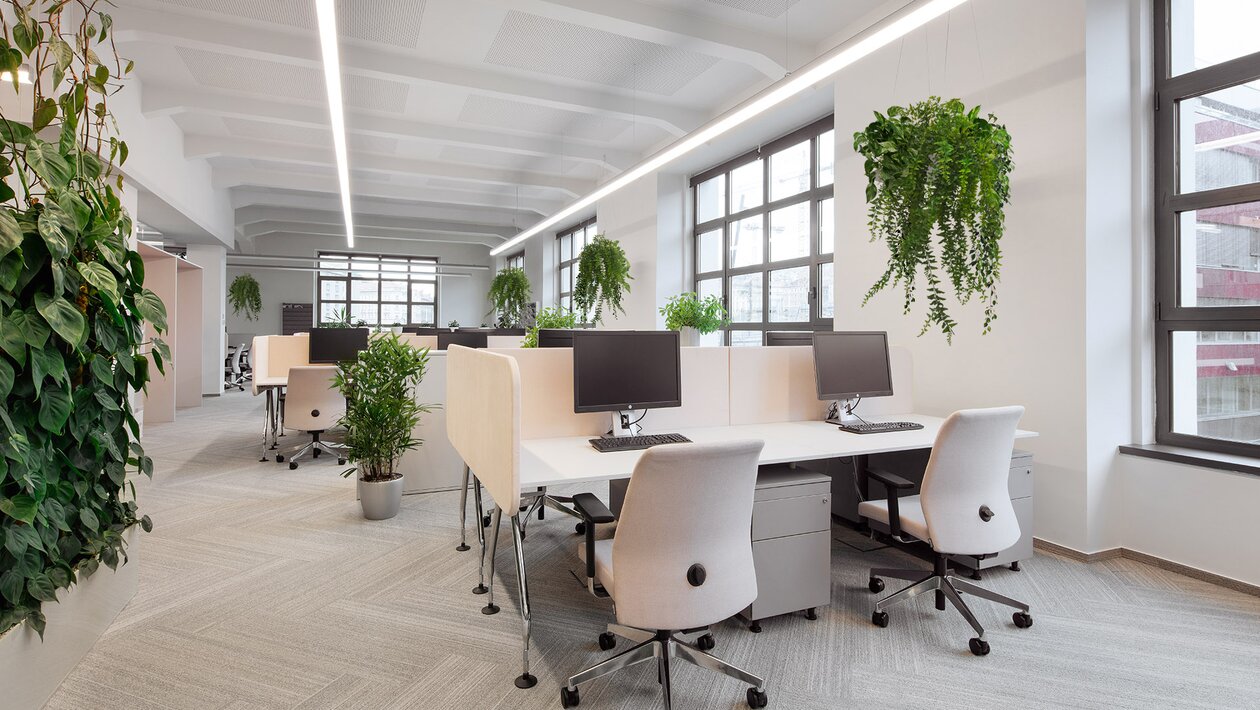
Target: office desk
point(270, 386)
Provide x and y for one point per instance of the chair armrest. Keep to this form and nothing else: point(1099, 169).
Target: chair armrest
point(592, 509)
point(890, 480)
point(892, 483)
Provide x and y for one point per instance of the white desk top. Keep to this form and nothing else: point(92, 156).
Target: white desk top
point(551, 462)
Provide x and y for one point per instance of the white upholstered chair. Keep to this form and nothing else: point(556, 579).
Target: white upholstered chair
point(681, 559)
point(964, 508)
point(315, 406)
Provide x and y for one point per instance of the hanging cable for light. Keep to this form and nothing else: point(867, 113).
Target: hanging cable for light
point(326, 12)
point(873, 38)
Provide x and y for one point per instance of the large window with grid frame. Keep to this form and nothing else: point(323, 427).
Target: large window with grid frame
point(378, 289)
point(1207, 224)
point(764, 235)
point(569, 245)
point(515, 261)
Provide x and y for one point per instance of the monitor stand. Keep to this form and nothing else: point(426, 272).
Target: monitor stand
point(622, 426)
point(841, 412)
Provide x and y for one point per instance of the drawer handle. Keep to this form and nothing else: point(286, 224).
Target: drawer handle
point(696, 575)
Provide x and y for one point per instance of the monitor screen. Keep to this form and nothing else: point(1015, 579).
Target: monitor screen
point(615, 371)
point(467, 338)
point(333, 345)
point(847, 365)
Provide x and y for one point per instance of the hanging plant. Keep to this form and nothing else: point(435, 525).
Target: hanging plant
point(603, 279)
point(245, 295)
point(938, 167)
point(509, 292)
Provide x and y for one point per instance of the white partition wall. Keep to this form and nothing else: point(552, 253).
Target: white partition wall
point(161, 276)
point(186, 350)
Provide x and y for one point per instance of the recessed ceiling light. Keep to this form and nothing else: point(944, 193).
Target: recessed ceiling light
point(326, 12)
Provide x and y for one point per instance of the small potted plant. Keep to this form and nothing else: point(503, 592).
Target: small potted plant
point(381, 418)
point(693, 316)
point(509, 292)
point(548, 318)
point(453, 325)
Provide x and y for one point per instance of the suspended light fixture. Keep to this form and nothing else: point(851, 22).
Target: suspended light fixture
point(326, 12)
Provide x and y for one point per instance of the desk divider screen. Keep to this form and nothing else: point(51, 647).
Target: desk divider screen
point(483, 419)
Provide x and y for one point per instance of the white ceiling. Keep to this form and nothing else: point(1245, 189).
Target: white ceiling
point(467, 119)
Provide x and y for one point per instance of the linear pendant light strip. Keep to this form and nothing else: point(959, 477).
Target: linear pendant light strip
point(882, 33)
point(326, 12)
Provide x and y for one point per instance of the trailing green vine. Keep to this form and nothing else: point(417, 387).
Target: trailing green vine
point(509, 292)
point(245, 295)
point(603, 279)
point(937, 166)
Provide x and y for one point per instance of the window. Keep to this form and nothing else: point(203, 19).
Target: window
point(516, 261)
point(1207, 225)
point(569, 245)
point(764, 236)
point(381, 290)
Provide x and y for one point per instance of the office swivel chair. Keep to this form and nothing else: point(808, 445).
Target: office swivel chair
point(317, 407)
point(233, 376)
point(964, 508)
point(681, 559)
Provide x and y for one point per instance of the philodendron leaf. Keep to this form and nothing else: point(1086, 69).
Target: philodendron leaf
point(54, 409)
point(41, 587)
point(50, 228)
point(10, 232)
point(44, 114)
point(65, 319)
point(6, 378)
point(99, 276)
point(76, 208)
point(48, 163)
point(151, 308)
point(19, 507)
point(11, 584)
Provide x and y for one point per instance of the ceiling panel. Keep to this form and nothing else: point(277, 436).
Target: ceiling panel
point(549, 46)
point(395, 22)
point(308, 135)
point(765, 8)
point(531, 118)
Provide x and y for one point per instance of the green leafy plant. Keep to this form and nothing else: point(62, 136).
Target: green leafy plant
point(73, 306)
point(509, 293)
point(687, 310)
point(603, 279)
point(245, 295)
point(549, 318)
point(453, 324)
point(341, 319)
point(381, 408)
point(937, 166)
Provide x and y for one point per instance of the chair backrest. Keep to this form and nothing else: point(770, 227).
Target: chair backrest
point(312, 402)
point(968, 471)
point(483, 419)
point(687, 504)
point(235, 368)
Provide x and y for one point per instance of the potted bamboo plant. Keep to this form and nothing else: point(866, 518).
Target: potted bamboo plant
point(381, 417)
point(693, 316)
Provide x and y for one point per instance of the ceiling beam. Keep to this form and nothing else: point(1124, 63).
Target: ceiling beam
point(449, 219)
point(251, 244)
point(262, 229)
point(422, 202)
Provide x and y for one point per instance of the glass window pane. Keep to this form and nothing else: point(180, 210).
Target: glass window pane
point(422, 315)
point(746, 242)
point(826, 290)
point(709, 287)
point(423, 292)
point(745, 338)
point(1216, 385)
point(394, 268)
point(746, 186)
point(332, 290)
point(330, 312)
point(826, 158)
point(395, 291)
point(1207, 32)
point(789, 171)
point(711, 199)
point(827, 226)
point(566, 303)
point(393, 314)
point(1222, 244)
point(709, 251)
point(1220, 139)
point(789, 295)
point(745, 298)
point(369, 312)
point(424, 270)
point(566, 248)
point(364, 290)
point(789, 232)
point(566, 286)
point(333, 266)
point(366, 267)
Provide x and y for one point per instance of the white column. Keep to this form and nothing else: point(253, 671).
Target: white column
point(213, 262)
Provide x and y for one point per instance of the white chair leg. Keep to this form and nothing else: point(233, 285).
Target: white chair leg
point(966, 587)
point(699, 658)
point(931, 583)
point(632, 656)
point(952, 595)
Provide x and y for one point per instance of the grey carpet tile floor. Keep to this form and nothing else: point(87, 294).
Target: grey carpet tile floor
point(262, 587)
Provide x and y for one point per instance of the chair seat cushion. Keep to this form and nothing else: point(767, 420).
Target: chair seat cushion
point(603, 563)
point(910, 510)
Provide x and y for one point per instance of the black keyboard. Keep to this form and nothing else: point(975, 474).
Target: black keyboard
point(878, 427)
point(634, 443)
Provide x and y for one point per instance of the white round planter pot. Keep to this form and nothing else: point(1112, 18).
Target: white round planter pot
point(688, 337)
point(380, 499)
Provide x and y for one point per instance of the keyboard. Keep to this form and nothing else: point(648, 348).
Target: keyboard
point(878, 427)
point(634, 443)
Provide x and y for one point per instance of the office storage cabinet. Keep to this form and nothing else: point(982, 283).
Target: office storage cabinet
point(1021, 488)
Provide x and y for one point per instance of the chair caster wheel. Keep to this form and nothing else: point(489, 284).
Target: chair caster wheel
point(979, 646)
point(880, 619)
point(757, 698)
point(876, 585)
point(279, 458)
point(706, 642)
point(1015, 566)
point(1022, 619)
point(316, 453)
point(755, 627)
point(975, 574)
point(811, 614)
point(607, 641)
point(341, 462)
point(293, 465)
point(580, 528)
point(569, 698)
point(525, 680)
point(485, 521)
point(462, 547)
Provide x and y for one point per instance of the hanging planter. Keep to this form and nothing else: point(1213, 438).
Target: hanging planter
point(245, 295)
point(509, 292)
point(603, 279)
point(937, 167)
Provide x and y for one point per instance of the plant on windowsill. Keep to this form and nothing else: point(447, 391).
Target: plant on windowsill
point(453, 325)
point(936, 166)
point(554, 317)
point(341, 319)
point(509, 292)
point(693, 316)
point(73, 313)
point(603, 280)
point(244, 295)
point(381, 418)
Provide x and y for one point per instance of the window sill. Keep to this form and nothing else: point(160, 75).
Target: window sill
point(1195, 457)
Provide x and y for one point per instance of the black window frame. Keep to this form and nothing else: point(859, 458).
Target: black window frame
point(1169, 315)
point(564, 290)
point(324, 275)
point(516, 260)
point(817, 196)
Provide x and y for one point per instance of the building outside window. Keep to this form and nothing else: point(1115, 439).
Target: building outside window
point(764, 235)
point(569, 245)
point(1207, 224)
point(380, 290)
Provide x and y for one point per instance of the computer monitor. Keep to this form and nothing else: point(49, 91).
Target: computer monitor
point(555, 338)
point(467, 338)
point(618, 371)
point(852, 365)
point(333, 345)
point(423, 330)
point(782, 338)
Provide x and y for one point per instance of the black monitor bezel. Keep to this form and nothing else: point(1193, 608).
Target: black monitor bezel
point(312, 337)
point(583, 334)
point(826, 396)
point(805, 338)
point(444, 339)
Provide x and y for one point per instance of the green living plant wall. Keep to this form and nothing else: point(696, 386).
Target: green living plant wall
point(73, 308)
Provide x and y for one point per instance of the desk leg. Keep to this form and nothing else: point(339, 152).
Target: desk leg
point(491, 607)
point(267, 424)
point(463, 513)
point(525, 680)
point(481, 537)
point(860, 469)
